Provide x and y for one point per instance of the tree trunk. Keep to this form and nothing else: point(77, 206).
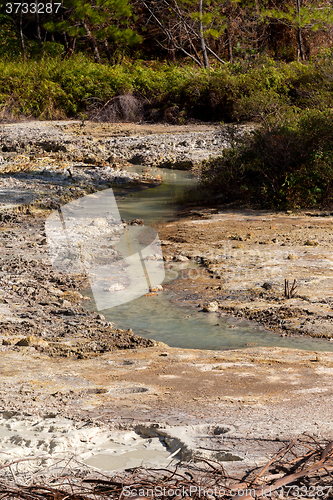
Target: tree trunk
point(65, 41)
point(229, 42)
point(202, 40)
point(92, 43)
point(21, 35)
point(299, 31)
point(107, 50)
point(70, 47)
point(39, 37)
point(72, 44)
point(64, 34)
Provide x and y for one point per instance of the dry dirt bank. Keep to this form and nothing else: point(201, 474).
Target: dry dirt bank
point(259, 397)
point(246, 257)
point(42, 308)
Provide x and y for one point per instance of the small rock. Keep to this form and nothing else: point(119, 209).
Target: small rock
point(238, 246)
point(267, 286)
point(275, 240)
point(210, 307)
point(157, 288)
point(1, 159)
point(311, 243)
point(114, 288)
point(136, 222)
point(292, 257)
point(31, 342)
point(101, 317)
point(180, 258)
point(99, 222)
point(66, 303)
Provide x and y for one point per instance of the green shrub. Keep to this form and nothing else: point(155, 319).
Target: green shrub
point(52, 87)
point(285, 165)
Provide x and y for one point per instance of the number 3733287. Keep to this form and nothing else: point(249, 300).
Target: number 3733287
point(33, 8)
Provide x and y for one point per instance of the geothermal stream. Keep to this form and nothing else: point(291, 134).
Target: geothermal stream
point(53, 441)
point(159, 317)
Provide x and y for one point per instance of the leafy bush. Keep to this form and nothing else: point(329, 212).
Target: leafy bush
point(52, 87)
point(283, 165)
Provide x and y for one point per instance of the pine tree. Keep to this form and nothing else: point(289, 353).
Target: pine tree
point(302, 16)
point(100, 21)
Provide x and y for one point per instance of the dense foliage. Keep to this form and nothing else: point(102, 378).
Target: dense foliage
point(284, 164)
point(54, 88)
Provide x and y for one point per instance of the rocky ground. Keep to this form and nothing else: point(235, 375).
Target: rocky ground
point(246, 256)
point(181, 147)
point(44, 309)
point(59, 359)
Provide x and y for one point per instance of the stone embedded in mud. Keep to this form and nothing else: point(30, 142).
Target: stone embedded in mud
point(211, 307)
point(31, 342)
point(114, 288)
point(136, 222)
point(311, 243)
point(180, 258)
point(7, 341)
point(267, 286)
point(99, 222)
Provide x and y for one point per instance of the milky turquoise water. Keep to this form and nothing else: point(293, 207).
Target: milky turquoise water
point(160, 317)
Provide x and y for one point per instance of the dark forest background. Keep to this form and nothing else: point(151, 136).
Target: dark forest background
point(198, 31)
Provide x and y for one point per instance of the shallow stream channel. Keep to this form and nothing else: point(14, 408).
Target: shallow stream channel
point(160, 317)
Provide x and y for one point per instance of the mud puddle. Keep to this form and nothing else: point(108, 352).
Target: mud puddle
point(53, 439)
